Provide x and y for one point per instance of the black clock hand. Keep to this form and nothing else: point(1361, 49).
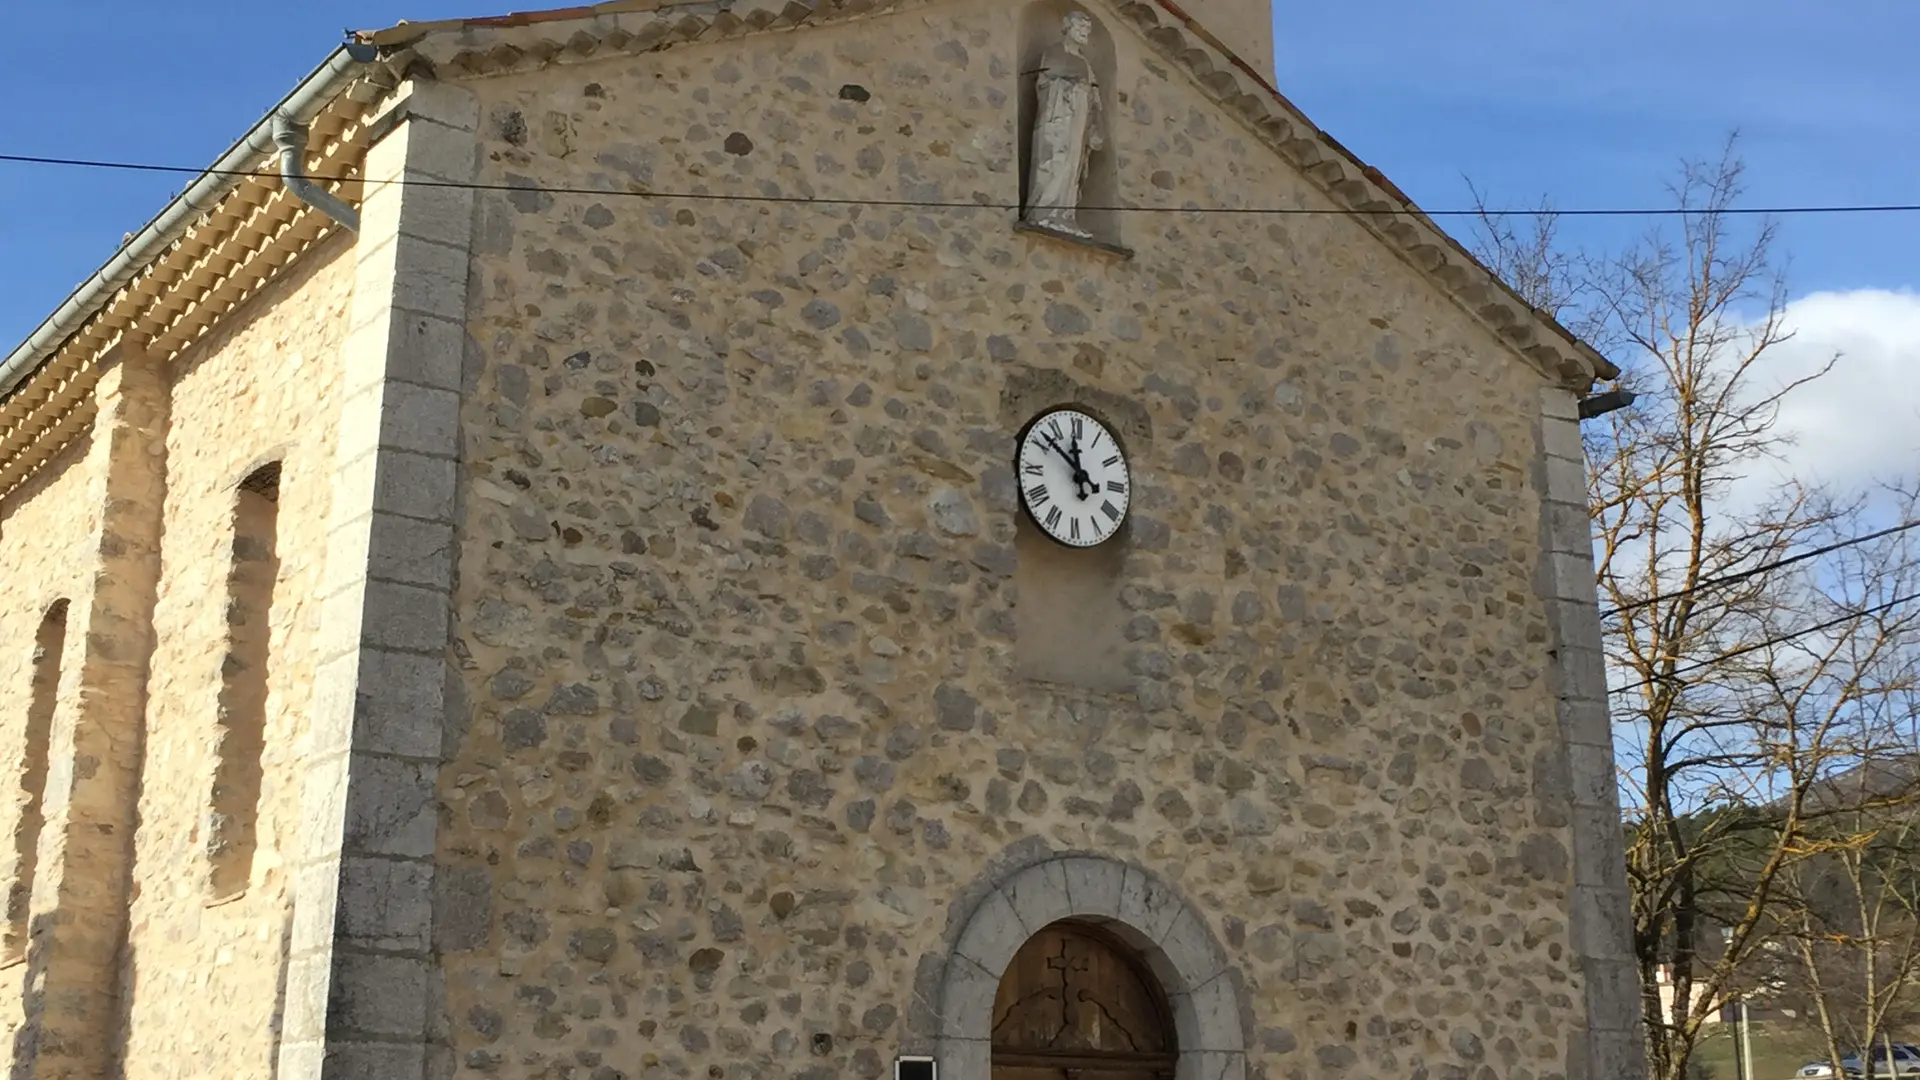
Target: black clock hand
point(1073, 460)
point(1080, 475)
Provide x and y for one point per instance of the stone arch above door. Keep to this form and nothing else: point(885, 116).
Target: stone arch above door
point(1128, 902)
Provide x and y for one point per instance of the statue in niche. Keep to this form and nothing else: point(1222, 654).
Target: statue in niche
point(1066, 129)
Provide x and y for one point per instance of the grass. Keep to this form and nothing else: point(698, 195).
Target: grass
point(1778, 1051)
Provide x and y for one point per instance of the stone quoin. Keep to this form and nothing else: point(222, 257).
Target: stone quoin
point(587, 613)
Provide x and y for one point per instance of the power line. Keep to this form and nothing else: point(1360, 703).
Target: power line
point(925, 204)
point(1781, 640)
point(1742, 575)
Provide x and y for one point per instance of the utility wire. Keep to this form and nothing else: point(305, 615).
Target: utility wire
point(1670, 211)
point(1742, 575)
point(1770, 642)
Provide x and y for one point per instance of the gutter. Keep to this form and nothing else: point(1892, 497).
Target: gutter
point(233, 168)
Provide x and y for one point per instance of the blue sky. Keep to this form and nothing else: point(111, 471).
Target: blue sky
point(1590, 103)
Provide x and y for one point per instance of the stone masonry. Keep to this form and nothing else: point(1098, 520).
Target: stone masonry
point(662, 681)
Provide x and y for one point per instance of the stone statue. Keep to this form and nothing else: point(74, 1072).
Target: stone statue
point(1066, 129)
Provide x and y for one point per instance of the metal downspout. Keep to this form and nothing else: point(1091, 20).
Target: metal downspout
point(290, 135)
point(302, 105)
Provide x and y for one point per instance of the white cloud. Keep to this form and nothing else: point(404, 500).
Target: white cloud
point(1860, 423)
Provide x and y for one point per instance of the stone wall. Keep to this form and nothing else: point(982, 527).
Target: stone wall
point(42, 525)
point(736, 607)
point(204, 978)
point(262, 388)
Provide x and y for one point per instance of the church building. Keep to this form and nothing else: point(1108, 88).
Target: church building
point(798, 540)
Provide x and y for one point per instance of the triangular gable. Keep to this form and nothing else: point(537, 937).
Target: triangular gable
point(517, 42)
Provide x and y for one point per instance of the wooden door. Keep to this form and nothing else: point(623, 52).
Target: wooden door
point(1077, 1004)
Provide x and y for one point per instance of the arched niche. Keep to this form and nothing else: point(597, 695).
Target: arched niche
point(1119, 914)
point(1078, 1003)
point(1040, 30)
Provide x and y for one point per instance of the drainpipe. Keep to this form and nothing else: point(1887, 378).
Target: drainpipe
point(290, 135)
point(302, 105)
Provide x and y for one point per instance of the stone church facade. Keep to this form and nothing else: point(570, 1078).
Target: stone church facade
point(554, 594)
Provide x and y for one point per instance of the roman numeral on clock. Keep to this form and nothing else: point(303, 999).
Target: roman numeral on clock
point(1112, 511)
point(1076, 528)
point(1034, 469)
point(1053, 518)
point(1037, 495)
point(1116, 487)
point(1112, 461)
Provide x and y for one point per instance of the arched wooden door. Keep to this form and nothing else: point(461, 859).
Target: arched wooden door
point(1077, 1004)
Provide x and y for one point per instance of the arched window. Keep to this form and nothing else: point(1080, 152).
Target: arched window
point(1077, 1003)
point(48, 645)
point(234, 818)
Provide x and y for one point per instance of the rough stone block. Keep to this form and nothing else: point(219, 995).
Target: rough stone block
point(1211, 1065)
point(1039, 895)
point(966, 1011)
point(1147, 905)
point(1208, 1017)
point(993, 934)
point(1190, 947)
point(1094, 885)
point(965, 1059)
point(391, 808)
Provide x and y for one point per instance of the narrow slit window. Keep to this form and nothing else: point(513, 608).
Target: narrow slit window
point(48, 645)
point(233, 819)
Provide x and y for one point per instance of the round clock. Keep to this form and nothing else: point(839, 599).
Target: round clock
point(1073, 477)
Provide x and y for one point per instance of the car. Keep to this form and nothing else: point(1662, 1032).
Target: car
point(1905, 1062)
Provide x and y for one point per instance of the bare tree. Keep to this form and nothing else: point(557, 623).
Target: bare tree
point(1729, 711)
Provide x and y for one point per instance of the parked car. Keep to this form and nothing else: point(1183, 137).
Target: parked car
point(1905, 1062)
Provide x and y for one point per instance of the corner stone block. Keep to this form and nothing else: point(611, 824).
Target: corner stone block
point(401, 707)
point(1617, 1053)
point(1039, 895)
point(1148, 906)
point(1583, 670)
point(1566, 480)
point(1094, 885)
point(376, 1061)
point(420, 419)
point(1613, 995)
point(386, 905)
point(1599, 851)
point(1559, 404)
point(1577, 625)
point(1561, 439)
point(323, 808)
point(316, 890)
point(416, 486)
point(405, 617)
point(408, 551)
point(1592, 776)
point(1568, 577)
point(1584, 718)
point(306, 998)
point(453, 106)
point(379, 995)
point(966, 1012)
point(993, 935)
point(392, 811)
point(1568, 528)
point(1602, 923)
point(426, 348)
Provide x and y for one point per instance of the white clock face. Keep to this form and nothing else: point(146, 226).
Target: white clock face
point(1073, 478)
